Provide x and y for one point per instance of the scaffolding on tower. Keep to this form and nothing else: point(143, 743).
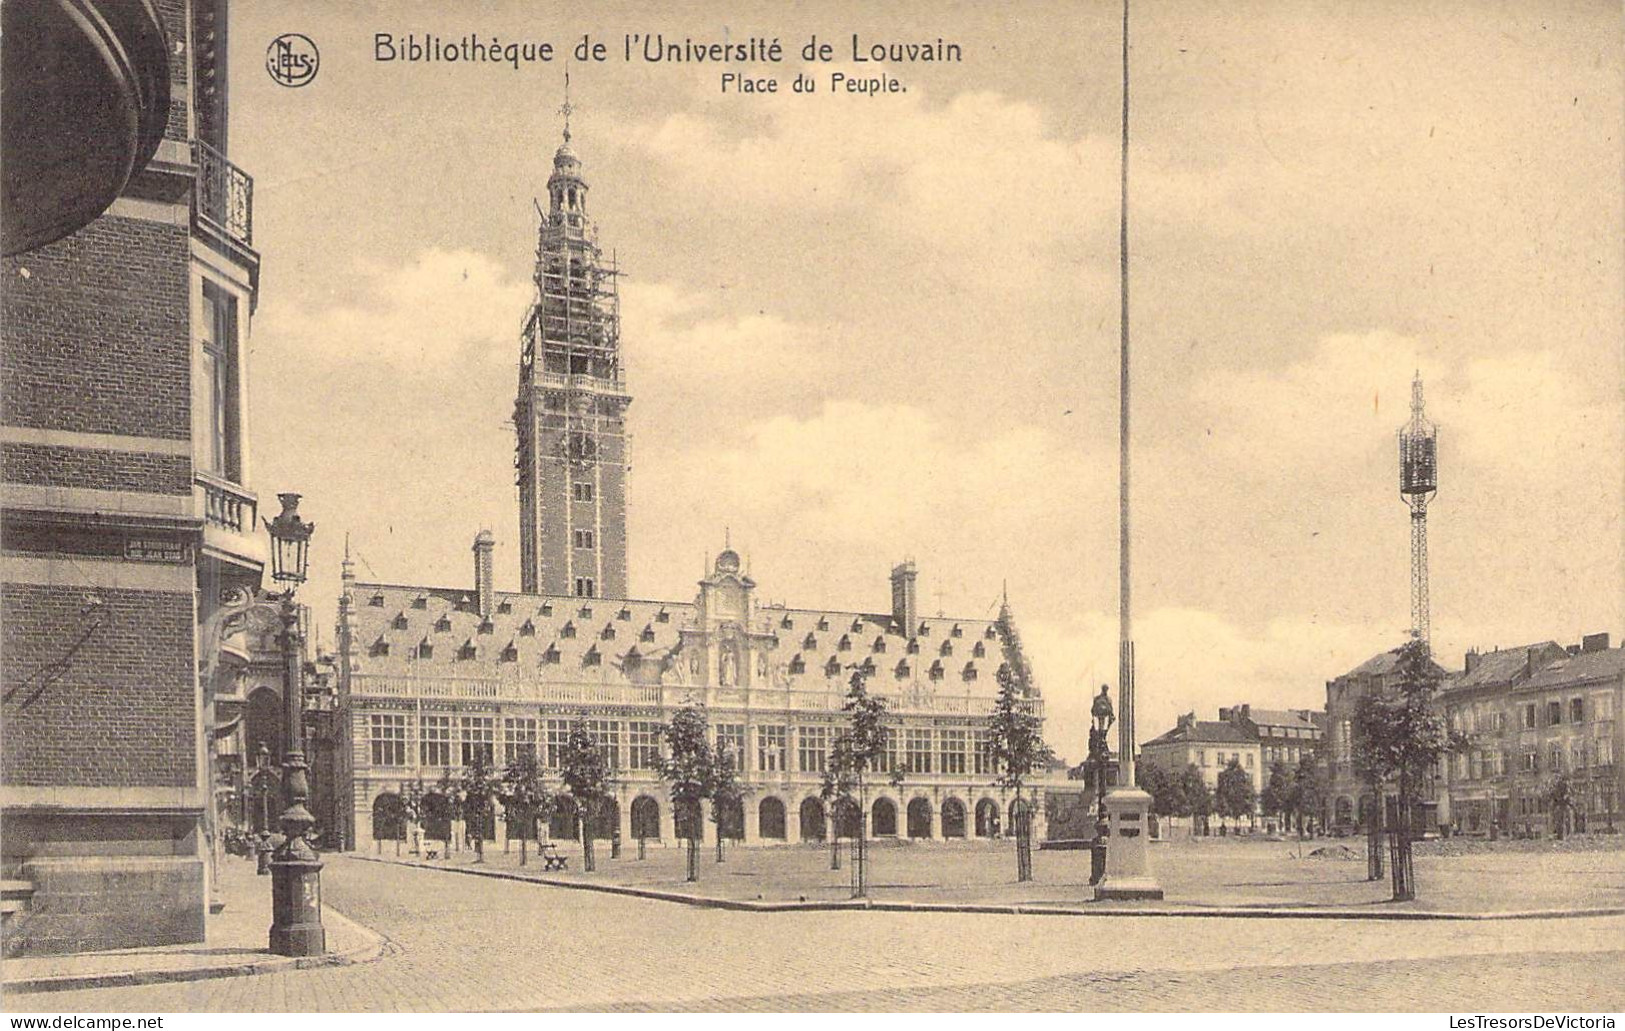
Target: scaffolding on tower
point(1418, 482)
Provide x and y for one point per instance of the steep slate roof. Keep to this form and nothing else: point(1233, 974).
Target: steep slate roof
point(1574, 669)
point(1379, 665)
point(1283, 718)
point(461, 644)
point(1204, 732)
point(1504, 665)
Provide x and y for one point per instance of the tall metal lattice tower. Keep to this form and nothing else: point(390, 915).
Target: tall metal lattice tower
point(1418, 482)
point(572, 457)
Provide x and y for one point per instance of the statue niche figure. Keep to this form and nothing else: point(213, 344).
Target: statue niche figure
point(728, 673)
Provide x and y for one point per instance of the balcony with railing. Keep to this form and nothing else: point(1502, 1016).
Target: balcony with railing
point(229, 512)
point(223, 198)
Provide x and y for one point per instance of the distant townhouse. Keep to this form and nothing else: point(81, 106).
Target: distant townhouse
point(1207, 745)
point(1283, 735)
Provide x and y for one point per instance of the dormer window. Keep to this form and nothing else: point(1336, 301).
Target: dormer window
point(990, 633)
point(787, 623)
point(980, 650)
point(631, 663)
point(902, 668)
point(400, 621)
point(868, 666)
point(546, 610)
point(913, 646)
point(377, 600)
point(551, 656)
point(935, 672)
point(947, 648)
point(568, 630)
point(486, 626)
point(380, 647)
point(510, 653)
point(420, 602)
point(823, 624)
point(608, 633)
point(442, 624)
point(880, 645)
point(527, 629)
point(467, 651)
point(797, 666)
point(969, 672)
point(504, 607)
point(464, 603)
point(957, 631)
point(624, 615)
point(857, 626)
point(585, 612)
point(648, 634)
point(832, 667)
point(662, 616)
point(592, 658)
point(925, 630)
point(425, 649)
point(844, 644)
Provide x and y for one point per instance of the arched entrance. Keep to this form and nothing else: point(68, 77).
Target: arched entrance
point(848, 819)
point(919, 818)
point(953, 818)
point(645, 818)
point(436, 817)
point(812, 820)
point(732, 826)
point(262, 724)
point(388, 818)
point(606, 821)
point(987, 818)
point(689, 824)
point(883, 818)
point(770, 819)
point(562, 825)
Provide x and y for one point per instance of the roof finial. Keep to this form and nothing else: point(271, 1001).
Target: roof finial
point(566, 108)
point(727, 537)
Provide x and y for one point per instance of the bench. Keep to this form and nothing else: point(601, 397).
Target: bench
point(552, 858)
point(431, 853)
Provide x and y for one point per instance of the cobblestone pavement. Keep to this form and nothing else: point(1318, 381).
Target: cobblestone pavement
point(462, 943)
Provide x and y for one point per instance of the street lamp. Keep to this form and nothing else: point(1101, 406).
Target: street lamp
point(296, 871)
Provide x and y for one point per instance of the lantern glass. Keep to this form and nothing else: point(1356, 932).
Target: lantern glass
point(290, 542)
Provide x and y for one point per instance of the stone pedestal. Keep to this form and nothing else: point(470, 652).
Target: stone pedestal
point(1128, 869)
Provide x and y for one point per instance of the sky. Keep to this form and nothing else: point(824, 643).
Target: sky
point(864, 328)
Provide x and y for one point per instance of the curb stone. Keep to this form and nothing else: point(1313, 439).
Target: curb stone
point(1006, 909)
point(372, 947)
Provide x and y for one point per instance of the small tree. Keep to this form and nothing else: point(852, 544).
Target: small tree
point(475, 788)
point(1234, 796)
point(412, 793)
point(448, 805)
point(585, 771)
point(524, 796)
point(727, 794)
point(1195, 797)
point(859, 750)
point(689, 768)
point(1560, 801)
point(1276, 799)
point(1163, 787)
point(1400, 739)
point(1016, 738)
point(1308, 789)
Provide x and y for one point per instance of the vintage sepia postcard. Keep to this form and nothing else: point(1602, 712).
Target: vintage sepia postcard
point(725, 506)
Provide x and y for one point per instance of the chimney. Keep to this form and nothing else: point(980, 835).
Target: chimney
point(1470, 661)
point(483, 545)
point(905, 607)
point(1224, 714)
point(1594, 643)
point(1187, 720)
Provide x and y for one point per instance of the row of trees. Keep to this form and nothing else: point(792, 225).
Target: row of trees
point(1185, 792)
point(696, 772)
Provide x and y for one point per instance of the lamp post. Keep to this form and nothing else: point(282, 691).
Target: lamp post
point(296, 871)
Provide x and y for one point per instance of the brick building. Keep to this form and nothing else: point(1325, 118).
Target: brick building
point(126, 521)
point(1533, 715)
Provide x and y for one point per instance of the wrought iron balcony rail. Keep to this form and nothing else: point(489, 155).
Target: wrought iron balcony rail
point(223, 195)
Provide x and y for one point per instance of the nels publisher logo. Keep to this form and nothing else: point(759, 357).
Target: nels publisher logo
point(292, 59)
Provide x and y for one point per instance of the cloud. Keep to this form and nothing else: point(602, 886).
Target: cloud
point(435, 309)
